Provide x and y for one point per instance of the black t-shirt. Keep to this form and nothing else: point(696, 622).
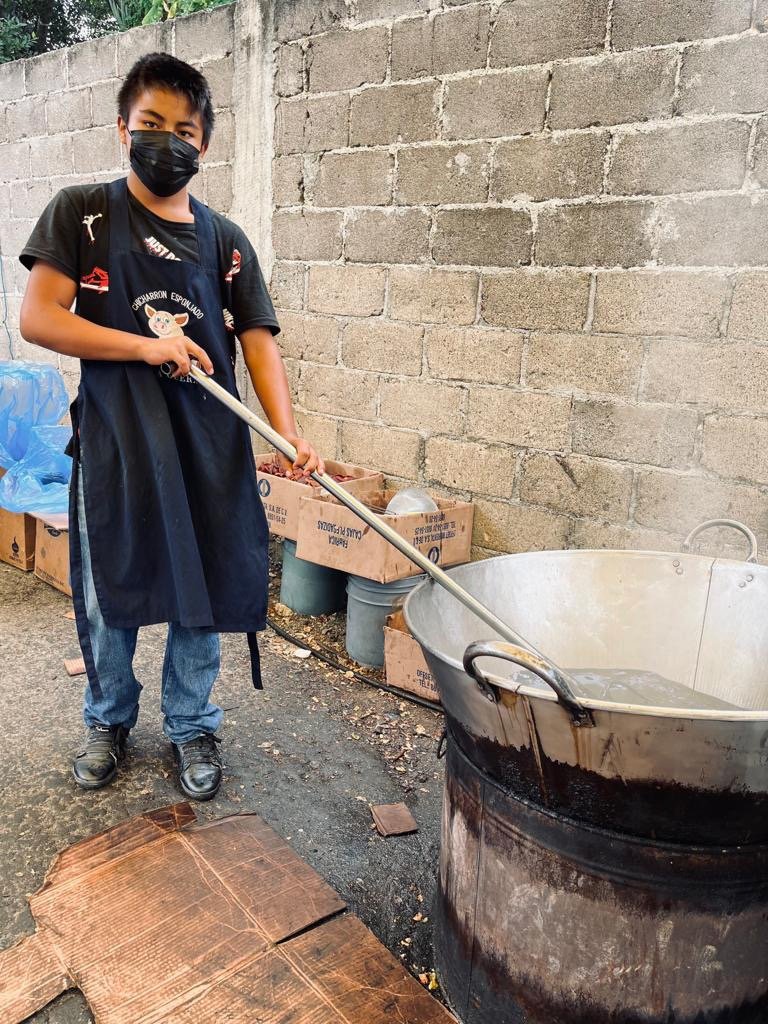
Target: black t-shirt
point(73, 234)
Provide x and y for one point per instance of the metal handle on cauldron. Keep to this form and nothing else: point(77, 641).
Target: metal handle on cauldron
point(540, 667)
point(734, 524)
point(378, 524)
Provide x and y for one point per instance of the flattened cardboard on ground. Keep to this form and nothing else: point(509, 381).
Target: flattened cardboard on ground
point(17, 539)
point(280, 496)
point(393, 819)
point(332, 535)
point(404, 661)
point(52, 551)
point(165, 921)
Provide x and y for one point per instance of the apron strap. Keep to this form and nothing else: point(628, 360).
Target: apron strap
point(253, 647)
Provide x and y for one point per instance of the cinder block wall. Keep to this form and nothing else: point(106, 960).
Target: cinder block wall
point(521, 254)
point(58, 118)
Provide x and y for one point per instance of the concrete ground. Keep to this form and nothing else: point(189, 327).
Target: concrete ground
point(309, 754)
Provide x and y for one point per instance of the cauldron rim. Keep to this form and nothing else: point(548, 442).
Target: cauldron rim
point(532, 692)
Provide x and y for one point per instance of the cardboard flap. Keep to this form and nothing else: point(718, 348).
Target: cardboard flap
point(31, 975)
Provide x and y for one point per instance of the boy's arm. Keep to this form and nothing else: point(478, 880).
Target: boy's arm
point(267, 372)
point(47, 320)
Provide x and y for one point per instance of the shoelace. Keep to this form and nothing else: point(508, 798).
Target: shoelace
point(201, 750)
point(99, 742)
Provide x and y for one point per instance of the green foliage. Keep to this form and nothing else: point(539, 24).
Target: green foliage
point(29, 27)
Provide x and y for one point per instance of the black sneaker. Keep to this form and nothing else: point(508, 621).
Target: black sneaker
point(96, 764)
point(199, 766)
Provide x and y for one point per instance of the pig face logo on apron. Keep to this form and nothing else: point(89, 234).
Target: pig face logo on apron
point(168, 325)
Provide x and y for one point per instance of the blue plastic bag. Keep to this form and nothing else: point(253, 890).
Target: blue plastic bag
point(31, 395)
point(39, 482)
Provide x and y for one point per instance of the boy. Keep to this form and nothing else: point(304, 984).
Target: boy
point(166, 524)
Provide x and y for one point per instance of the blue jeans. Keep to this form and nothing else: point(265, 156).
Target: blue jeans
point(190, 668)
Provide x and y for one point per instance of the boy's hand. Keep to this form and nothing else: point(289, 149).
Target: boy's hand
point(307, 459)
point(180, 350)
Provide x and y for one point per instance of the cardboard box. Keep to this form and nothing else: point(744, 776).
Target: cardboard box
point(404, 661)
point(280, 496)
point(52, 552)
point(332, 535)
point(17, 539)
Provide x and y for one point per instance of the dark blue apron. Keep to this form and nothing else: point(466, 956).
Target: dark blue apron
point(175, 523)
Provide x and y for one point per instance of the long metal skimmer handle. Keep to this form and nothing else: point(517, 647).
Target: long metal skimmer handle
point(381, 527)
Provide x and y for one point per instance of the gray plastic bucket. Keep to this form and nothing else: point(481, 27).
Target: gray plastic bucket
point(368, 605)
point(310, 589)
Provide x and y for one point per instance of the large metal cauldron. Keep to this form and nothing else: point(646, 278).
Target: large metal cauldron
point(604, 862)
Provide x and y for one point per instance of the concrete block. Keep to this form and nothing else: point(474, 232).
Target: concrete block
point(676, 502)
point(448, 42)
point(346, 59)
point(596, 234)
point(346, 392)
point(659, 302)
point(12, 80)
point(443, 174)
point(760, 153)
point(547, 300)
point(287, 285)
point(46, 73)
point(732, 376)
point(731, 75)
point(577, 485)
point(651, 22)
point(288, 180)
point(467, 466)
point(719, 231)
point(297, 18)
point(70, 111)
point(219, 190)
point(54, 152)
point(595, 534)
point(306, 235)
point(222, 145)
point(375, 10)
point(311, 124)
point(432, 296)
point(489, 105)
point(736, 446)
point(15, 236)
point(380, 345)
point(205, 35)
point(395, 235)
point(491, 237)
point(219, 74)
point(559, 167)
point(311, 338)
point(26, 119)
point(595, 364)
point(511, 528)
point(652, 434)
point(97, 149)
point(361, 178)
point(92, 60)
point(137, 42)
point(396, 113)
point(536, 31)
point(680, 158)
point(381, 447)
point(347, 290)
point(321, 432)
point(474, 354)
point(747, 319)
point(103, 103)
point(422, 405)
point(615, 89)
point(527, 419)
point(28, 199)
point(290, 69)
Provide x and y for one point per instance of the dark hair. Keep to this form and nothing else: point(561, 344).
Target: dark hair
point(162, 71)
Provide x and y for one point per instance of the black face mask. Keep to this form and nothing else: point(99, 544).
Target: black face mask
point(162, 161)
